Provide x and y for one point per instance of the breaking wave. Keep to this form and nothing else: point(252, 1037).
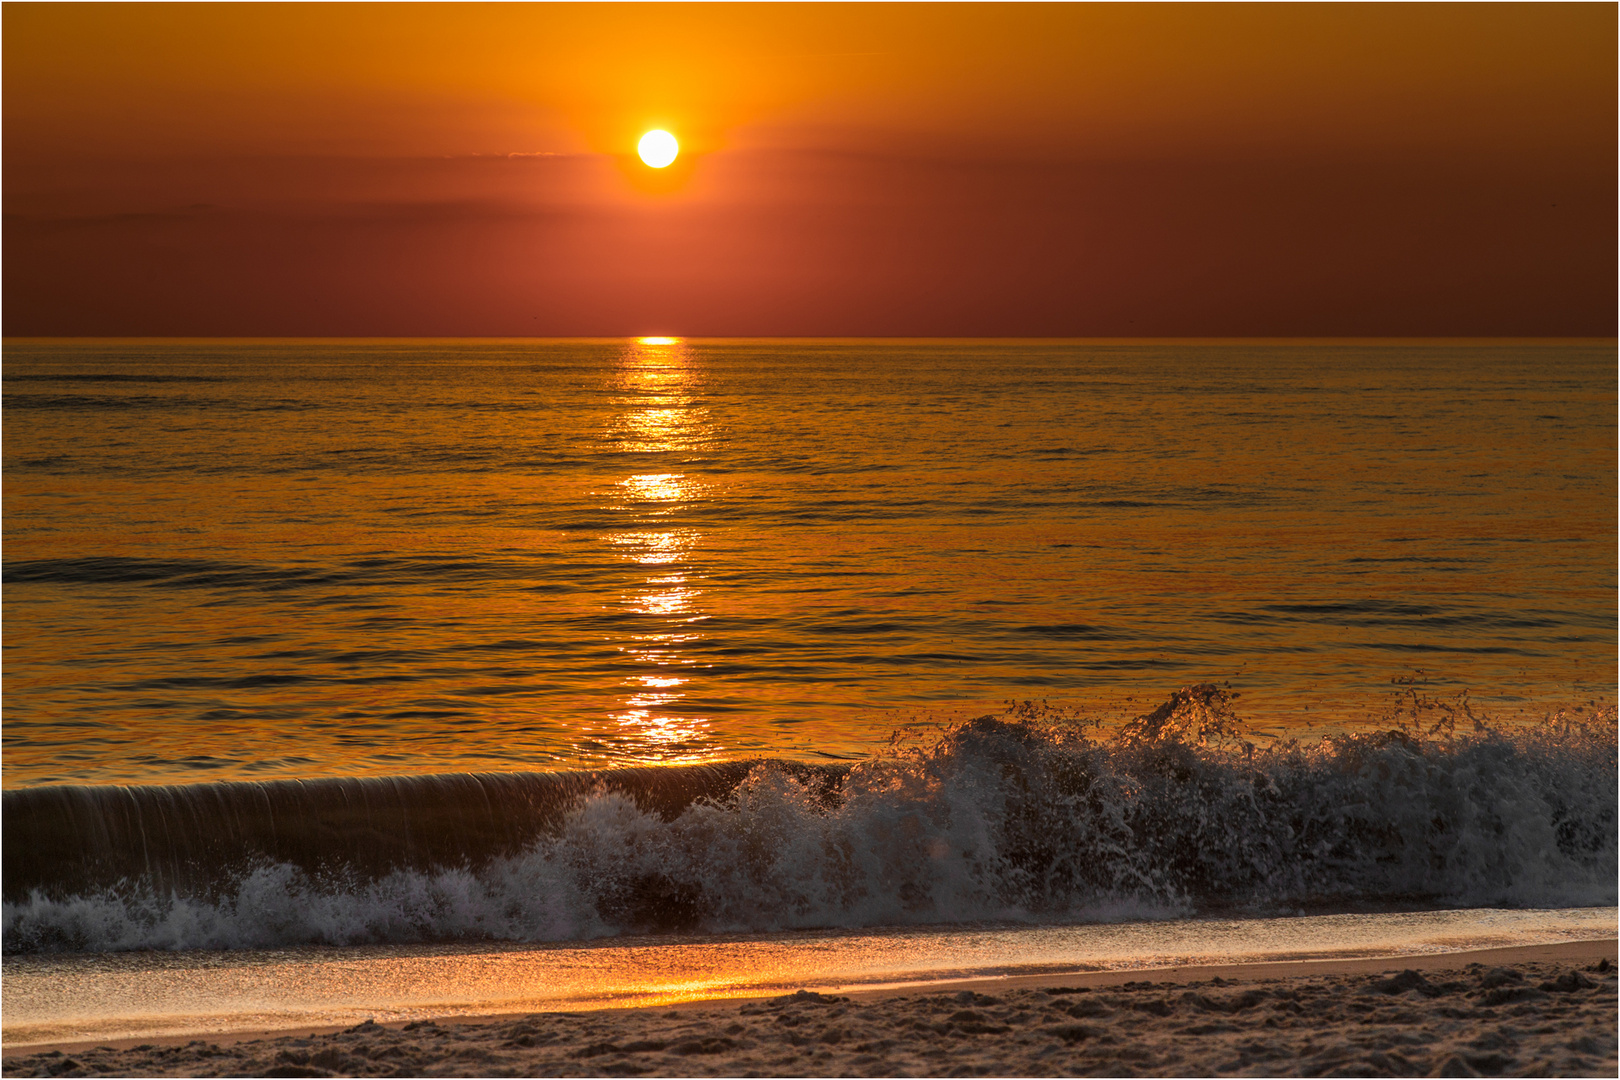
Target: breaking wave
point(1016, 817)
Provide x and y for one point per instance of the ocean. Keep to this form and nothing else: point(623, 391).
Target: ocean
point(351, 645)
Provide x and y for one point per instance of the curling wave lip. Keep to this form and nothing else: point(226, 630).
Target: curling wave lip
point(1005, 818)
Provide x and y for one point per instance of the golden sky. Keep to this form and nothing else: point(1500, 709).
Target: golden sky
point(846, 169)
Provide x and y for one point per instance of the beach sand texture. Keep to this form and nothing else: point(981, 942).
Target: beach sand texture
point(1439, 1017)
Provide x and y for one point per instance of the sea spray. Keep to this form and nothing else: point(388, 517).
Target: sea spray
point(1013, 817)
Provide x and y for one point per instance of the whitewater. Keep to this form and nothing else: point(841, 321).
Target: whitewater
point(1018, 818)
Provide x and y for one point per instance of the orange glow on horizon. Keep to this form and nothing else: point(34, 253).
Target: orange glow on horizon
point(911, 170)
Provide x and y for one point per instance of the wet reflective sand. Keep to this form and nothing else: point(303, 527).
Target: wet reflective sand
point(147, 995)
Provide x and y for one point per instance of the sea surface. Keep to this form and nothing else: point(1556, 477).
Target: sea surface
point(246, 560)
point(422, 644)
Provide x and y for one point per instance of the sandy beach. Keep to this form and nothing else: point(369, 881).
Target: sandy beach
point(1529, 1011)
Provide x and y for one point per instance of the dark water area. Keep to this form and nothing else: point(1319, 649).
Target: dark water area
point(196, 839)
point(242, 561)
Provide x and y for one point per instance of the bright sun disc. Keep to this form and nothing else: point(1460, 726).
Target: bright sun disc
point(658, 148)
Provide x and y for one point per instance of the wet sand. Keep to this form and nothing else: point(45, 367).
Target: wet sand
point(1535, 1010)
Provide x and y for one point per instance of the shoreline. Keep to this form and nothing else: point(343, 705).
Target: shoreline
point(1564, 956)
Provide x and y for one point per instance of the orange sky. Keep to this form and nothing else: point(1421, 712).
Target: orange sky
point(847, 169)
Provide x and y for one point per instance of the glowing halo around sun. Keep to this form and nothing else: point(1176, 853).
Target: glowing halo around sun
point(658, 148)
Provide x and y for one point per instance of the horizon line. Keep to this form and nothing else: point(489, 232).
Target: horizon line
point(1460, 339)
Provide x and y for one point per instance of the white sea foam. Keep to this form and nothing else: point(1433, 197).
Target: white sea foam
point(1001, 819)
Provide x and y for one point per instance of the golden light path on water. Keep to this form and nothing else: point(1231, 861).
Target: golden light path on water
point(663, 417)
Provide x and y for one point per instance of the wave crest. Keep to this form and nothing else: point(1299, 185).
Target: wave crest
point(1012, 817)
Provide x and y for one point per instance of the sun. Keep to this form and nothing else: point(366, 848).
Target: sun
point(658, 148)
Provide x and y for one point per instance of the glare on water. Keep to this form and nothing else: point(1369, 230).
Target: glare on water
point(661, 418)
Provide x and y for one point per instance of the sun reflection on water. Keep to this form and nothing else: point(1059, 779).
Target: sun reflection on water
point(656, 487)
point(660, 415)
point(669, 602)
